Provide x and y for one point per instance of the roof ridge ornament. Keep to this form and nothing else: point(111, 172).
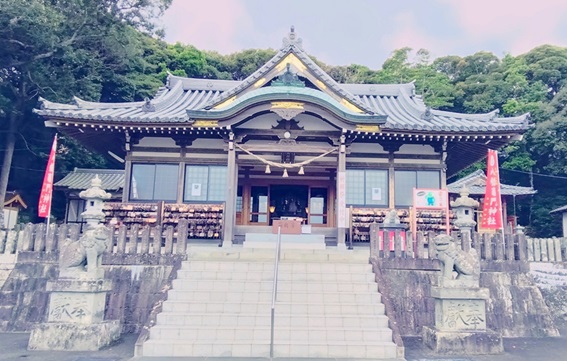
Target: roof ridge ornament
point(288, 78)
point(148, 106)
point(292, 40)
point(427, 115)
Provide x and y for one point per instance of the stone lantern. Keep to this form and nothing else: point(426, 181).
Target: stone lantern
point(464, 210)
point(94, 197)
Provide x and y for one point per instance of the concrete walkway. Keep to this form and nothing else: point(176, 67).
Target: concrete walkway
point(13, 347)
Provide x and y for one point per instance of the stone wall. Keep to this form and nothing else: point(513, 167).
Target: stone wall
point(23, 299)
point(551, 279)
point(516, 307)
point(138, 284)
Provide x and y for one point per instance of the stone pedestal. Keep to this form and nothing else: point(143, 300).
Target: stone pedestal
point(75, 321)
point(460, 322)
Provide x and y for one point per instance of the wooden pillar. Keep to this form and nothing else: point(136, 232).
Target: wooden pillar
point(127, 176)
point(341, 195)
point(444, 165)
point(230, 204)
point(181, 175)
point(391, 181)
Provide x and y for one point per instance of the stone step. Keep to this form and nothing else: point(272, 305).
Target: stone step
point(264, 320)
point(312, 256)
point(362, 349)
point(268, 275)
point(283, 286)
point(196, 306)
point(284, 267)
point(266, 296)
point(262, 334)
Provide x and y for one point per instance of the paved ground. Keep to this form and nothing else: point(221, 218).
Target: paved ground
point(13, 347)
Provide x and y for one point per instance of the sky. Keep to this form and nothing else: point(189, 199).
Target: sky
point(343, 32)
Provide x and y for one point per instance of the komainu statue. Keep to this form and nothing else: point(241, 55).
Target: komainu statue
point(457, 264)
point(85, 254)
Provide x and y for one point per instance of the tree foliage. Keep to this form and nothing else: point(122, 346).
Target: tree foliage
point(58, 49)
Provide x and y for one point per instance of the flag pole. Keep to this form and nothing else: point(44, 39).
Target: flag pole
point(501, 208)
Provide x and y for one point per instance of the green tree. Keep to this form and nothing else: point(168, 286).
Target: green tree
point(58, 49)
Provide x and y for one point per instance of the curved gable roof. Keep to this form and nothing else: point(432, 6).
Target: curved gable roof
point(291, 53)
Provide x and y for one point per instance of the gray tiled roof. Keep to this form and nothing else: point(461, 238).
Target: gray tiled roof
point(476, 185)
point(79, 178)
point(404, 109)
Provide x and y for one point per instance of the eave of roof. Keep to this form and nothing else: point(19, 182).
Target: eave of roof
point(80, 178)
point(476, 185)
point(14, 197)
point(560, 209)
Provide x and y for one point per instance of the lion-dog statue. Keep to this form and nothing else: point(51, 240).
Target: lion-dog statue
point(457, 264)
point(85, 254)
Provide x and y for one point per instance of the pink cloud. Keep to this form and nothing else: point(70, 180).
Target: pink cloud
point(523, 24)
point(407, 34)
point(208, 25)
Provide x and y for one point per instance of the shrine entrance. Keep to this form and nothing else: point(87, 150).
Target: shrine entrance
point(289, 202)
point(262, 204)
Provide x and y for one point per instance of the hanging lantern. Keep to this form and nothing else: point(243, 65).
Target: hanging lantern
point(284, 175)
point(268, 170)
point(301, 171)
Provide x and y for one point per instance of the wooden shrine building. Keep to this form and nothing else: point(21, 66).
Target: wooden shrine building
point(286, 142)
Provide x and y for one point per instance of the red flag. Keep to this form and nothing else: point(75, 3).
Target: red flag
point(44, 207)
point(492, 207)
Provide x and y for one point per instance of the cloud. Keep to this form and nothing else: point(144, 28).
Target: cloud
point(208, 25)
point(522, 24)
point(408, 34)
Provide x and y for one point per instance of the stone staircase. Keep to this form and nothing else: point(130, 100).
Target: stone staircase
point(219, 306)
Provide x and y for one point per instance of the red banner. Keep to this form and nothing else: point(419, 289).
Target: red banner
point(492, 207)
point(44, 206)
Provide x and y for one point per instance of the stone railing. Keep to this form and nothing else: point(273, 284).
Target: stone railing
point(135, 239)
point(547, 249)
point(490, 247)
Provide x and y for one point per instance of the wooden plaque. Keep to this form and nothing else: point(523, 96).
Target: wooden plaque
point(288, 226)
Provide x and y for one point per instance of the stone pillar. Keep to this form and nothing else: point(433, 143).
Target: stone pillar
point(464, 209)
point(341, 195)
point(230, 204)
point(460, 305)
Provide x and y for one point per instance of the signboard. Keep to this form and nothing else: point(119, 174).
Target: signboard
point(429, 199)
point(376, 194)
point(288, 226)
